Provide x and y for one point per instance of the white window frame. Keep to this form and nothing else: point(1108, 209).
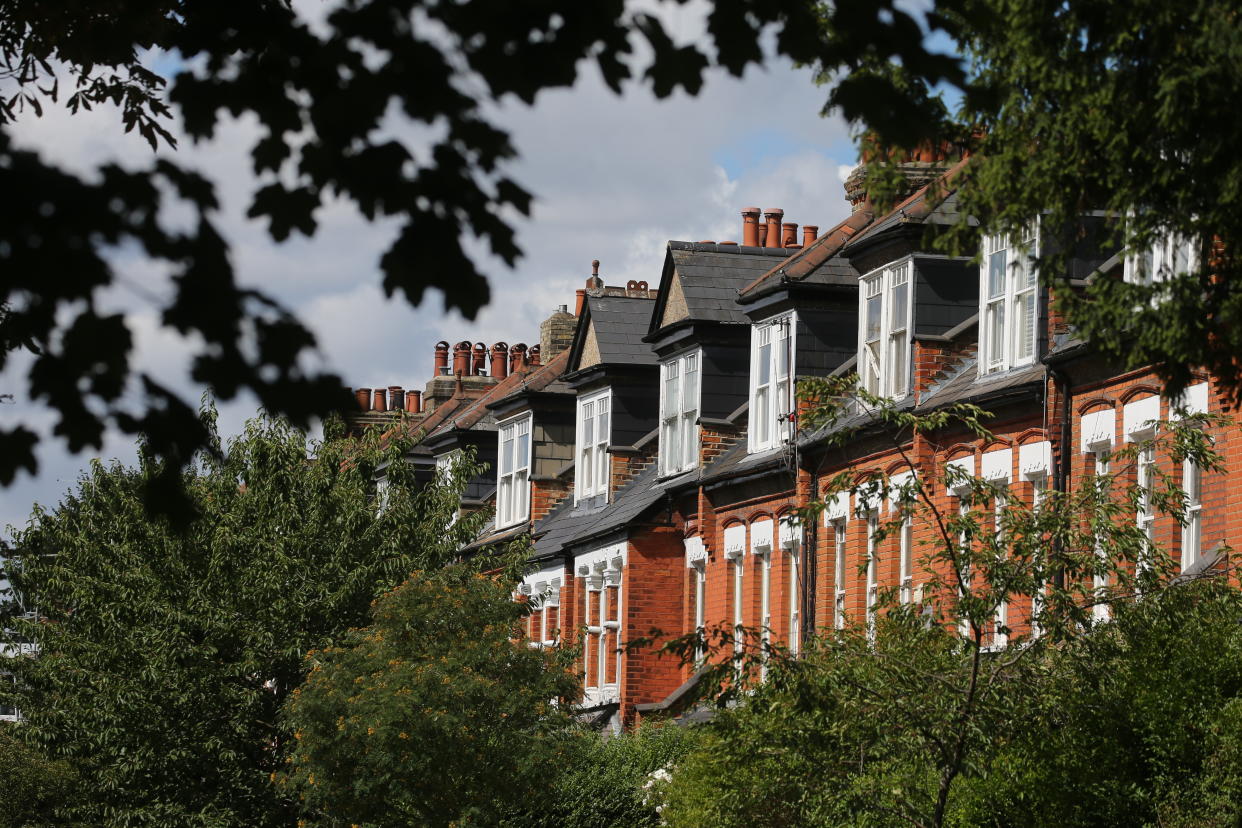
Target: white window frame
point(513, 482)
point(591, 459)
point(886, 350)
point(840, 543)
point(1008, 286)
point(1168, 255)
point(873, 580)
point(1100, 611)
point(600, 573)
point(791, 542)
point(772, 381)
point(1039, 490)
point(679, 429)
point(1192, 532)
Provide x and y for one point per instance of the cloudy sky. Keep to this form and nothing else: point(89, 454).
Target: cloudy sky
point(615, 178)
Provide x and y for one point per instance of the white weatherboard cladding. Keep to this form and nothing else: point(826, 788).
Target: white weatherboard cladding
point(997, 465)
point(964, 465)
point(1194, 400)
point(1098, 429)
point(896, 483)
point(1140, 417)
point(761, 535)
point(837, 507)
point(1035, 459)
point(789, 531)
point(695, 550)
point(734, 540)
point(597, 560)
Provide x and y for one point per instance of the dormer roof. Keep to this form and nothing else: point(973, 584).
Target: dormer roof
point(701, 281)
point(610, 332)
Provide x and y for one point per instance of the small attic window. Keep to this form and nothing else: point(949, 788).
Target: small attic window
point(884, 330)
point(1008, 311)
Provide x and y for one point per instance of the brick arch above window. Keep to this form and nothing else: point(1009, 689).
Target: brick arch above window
point(958, 451)
point(1095, 403)
point(996, 445)
point(1139, 392)
point(1031, 435)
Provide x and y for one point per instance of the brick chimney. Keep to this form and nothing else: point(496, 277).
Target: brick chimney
point(556, 333)
point(919, 167)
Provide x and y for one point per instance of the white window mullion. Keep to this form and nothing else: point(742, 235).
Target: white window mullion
point(1192, 532)
point(838, 575)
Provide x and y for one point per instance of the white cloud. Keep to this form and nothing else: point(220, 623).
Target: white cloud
point(614, 179)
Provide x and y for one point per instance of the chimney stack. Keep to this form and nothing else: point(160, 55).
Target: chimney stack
point(810, 232)
point(750, 226)
point(773, 216)
point(414, 402)
point(500, 360)
point(480, 359)
point(790, 236)
point(363, 396)
point(440, 367)
point(396, 398)
point(380, 404)
point(461, 358)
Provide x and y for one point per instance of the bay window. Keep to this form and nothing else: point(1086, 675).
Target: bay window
point(884, 331)
point(771, 398)
point(1009, 311)
point(593, 435)
point(679, 413)
point(513, 473)
point(1168, 256)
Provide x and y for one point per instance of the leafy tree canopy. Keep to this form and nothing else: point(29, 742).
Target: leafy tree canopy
point(439, 713)
point(164, 656)
point(320, 91)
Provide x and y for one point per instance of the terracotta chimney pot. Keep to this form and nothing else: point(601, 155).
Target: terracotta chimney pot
point(461, 358)
point(761, 235)
point(773, 216)
point(790, 236)
point(579, 301)
point(440, 367)
point(517, 357)
point(363, 396)
point(500, 360)
point(810, 232)
point(750, 226)
point(396, 397)
point(532, 356)
point(414, 402)
point(479, 360)
point(381, 401)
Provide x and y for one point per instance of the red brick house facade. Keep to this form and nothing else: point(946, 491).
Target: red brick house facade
point(654, 455)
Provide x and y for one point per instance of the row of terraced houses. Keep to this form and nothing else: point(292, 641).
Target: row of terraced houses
point(649, 443)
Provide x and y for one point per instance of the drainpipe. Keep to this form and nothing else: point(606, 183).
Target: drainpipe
point(1061, 460)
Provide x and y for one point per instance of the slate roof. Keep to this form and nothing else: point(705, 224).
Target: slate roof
point(546, 377)
point(712, 275)
point(620, 323)
point(737, 460)
point(934, 203)
point(571, 525)
point(965, 384)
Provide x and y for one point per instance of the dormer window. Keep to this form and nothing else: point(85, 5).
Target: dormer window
point(513, 475)
point(1166, 257)
point(884, 331)
point(771, 371)
point(1007, 320)
point(593, 435)
point(679, 413)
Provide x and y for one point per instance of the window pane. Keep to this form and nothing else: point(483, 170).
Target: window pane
point(1026, 326)
point(601, 469)
point(874, 308)
point(765, 364)
point(522, 450)
point(996, 274)
point(506, 451)
point(604, 434)
point(690, 387)
point(782, 353)
point(996, 342)
point(898, 357)
point(897, 320)
point(671, 402)
point(689, 442)
point(761, 415)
